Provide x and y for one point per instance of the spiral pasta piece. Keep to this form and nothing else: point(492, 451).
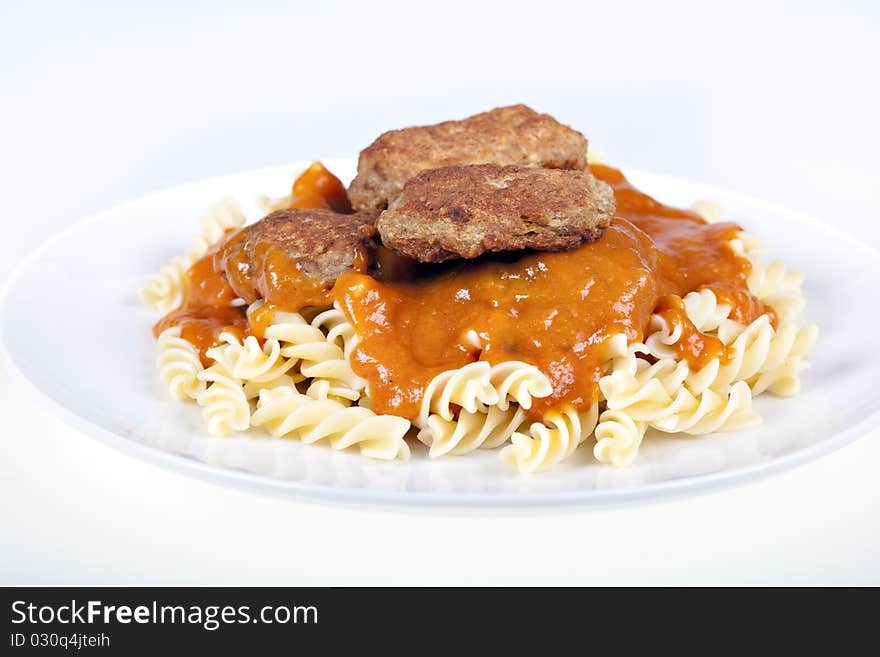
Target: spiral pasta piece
point(165, 290)
point(710, 211)
point(317, 357)
point(705, 311)
point(259, 363)
point(550, 441)
point(518, 382)
point(768, 358)
point(469, 387)
point(618, 438)
point(179, 365)
point(252, 388)
point(469, 431)
point(268, 204)
point(775, 284)
point(644, 389)
point(284, 411)
point(778, 287)
point(655, 394)
point(225, 407)
point(710, 412)
point(337, 328)
point(786, 358)
point(220, 218)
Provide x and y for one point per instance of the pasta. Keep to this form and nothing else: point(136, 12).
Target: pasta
point(165, 289)
point(708, 210)
point(487, 419)
point(337, 328)
point(252, 388)
point(775, 284)
point(518, 382)
point(318, 357)
point(786, 358)
point(756, 353)
point(469, 431)
point(639, 395)
point(618, 438)
point(550, 441)
point(710, 412)
point(258, 363)
point(665, 394)
point(286, 412)
point(225, 407)
point(179, 365)
point(483, 406)
point(268, 204)
point(469, 387)
point(217, 221)
point(654, 393)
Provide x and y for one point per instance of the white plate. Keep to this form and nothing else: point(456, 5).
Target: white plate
point(73, 326)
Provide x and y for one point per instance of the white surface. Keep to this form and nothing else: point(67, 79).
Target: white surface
point(104, 103)
point(136, 414)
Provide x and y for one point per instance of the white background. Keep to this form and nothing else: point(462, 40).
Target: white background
point(103, 102)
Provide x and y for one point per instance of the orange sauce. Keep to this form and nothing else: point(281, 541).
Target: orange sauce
point(283, 286)
point(693, 346)
point(549, 309)
point(316, 187)
point(270, 274)
point(554, 310)
point(208, 308)
point(694, 253)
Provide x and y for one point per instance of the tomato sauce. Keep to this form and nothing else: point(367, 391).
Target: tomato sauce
point(554, 310)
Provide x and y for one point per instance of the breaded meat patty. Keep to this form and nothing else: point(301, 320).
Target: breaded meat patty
point(464, 211)
point(507, 135)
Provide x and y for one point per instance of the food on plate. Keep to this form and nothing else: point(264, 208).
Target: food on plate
point(485, 289)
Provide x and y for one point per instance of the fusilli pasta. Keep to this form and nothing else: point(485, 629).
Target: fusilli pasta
point(550, 441)
point(775, 284)
point(470, 431)
point(284, 411)
point(656, 394)
point(179, 365)
point(165, 289)
point(618, 438)
point(318, 356)
point(224, 403)
point(337, 328)
point(469, 387)
point(708, 210)
point(768, 358)
point(518, 382)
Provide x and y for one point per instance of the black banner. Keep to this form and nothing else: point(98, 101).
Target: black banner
point(131, 621)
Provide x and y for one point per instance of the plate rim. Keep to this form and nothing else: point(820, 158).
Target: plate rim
point(289, 489)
